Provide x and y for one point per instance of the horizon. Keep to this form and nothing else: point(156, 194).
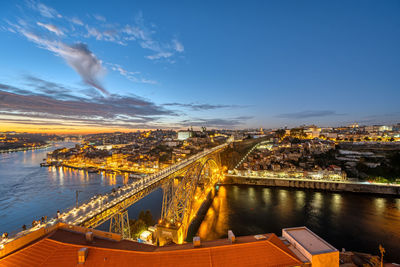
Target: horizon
point(104, 131)
point(155, 65)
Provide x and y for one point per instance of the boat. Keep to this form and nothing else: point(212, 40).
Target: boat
point(44, 164)
point(92, 170)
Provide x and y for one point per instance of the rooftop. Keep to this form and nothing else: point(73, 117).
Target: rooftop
point(60, 248)
point(309, 241)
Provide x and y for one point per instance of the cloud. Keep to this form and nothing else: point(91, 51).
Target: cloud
point(138, 31)
point(141, 33)
point(45, 88)
point(194, 106)
point(218, 123)
point(40, 102)
point(77, 56)
point(76, 21)
point(99, 18)
point(83, 61)
point(130, 75)
point(10, 88)
point(44, 10)
point(53, 102)
point(309, 114)
point(52, 28)
point(110, 35)
point(93, 32)
point(160, 55)
point(178, 46)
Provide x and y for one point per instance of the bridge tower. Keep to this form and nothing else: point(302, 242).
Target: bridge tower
point(119, 223)
point(184, 195)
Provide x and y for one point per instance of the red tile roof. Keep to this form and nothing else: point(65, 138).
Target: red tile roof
point(48, 252)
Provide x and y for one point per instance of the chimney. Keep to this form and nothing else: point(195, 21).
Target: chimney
point(231, 236)
point(89, 237)
point(196, 241)
point(82, 255)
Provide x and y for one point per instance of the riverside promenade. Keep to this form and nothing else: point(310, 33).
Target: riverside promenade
point(335, 186)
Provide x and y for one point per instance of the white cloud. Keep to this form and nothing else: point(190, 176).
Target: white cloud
point(76, 21)
point(160, 55)
point(178, 46)
point(51, 27)
point(77, 56)
point(144, 36)
point(99, 18)
point(93, 32)
point(44, 10)
point(130, 75)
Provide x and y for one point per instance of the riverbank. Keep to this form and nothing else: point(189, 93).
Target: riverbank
point(334, 186)
point(11, 150)
point(28, 192)
point(94, 169)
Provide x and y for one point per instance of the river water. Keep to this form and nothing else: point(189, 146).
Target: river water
point(356, 222)
point(28, 191)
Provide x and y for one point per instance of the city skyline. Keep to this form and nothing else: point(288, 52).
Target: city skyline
point(93, 68)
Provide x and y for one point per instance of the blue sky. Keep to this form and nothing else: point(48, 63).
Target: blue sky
point(68, 65)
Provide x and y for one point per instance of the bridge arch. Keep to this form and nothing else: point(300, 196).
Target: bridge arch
point(183, 198)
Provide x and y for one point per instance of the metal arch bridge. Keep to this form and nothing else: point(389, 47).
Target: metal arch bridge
point(200, 172)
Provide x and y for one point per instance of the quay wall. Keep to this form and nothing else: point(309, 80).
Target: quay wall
point(334, 186)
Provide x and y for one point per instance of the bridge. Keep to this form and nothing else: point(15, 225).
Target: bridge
point(185, 184)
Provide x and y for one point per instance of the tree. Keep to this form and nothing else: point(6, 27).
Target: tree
point(146, 217)
point(297, 132)
point(295, 141)
point(137, 227)
point(280, 133)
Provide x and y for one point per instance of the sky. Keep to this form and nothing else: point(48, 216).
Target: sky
point(97, 66)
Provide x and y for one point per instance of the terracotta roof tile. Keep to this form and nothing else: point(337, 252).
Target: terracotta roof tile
point(48, 252)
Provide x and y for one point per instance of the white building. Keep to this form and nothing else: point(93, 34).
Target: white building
point(183, 135)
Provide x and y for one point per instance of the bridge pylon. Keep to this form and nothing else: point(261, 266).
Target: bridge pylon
point(183, 197)
point(119, 224)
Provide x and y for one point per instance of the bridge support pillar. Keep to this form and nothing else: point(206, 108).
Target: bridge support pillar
point(119, 224)
point(166, 235)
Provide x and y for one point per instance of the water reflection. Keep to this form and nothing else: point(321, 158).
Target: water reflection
point(336, 203)
point(300, 197)
point(353, 221)
point(28, 191)
point(379, 205)
point(317, 202)
point(267, 196)
point(215, 222)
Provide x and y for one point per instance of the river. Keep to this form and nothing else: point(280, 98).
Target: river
point(356, 222)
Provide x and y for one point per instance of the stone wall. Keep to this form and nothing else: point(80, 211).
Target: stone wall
point(314, 184)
